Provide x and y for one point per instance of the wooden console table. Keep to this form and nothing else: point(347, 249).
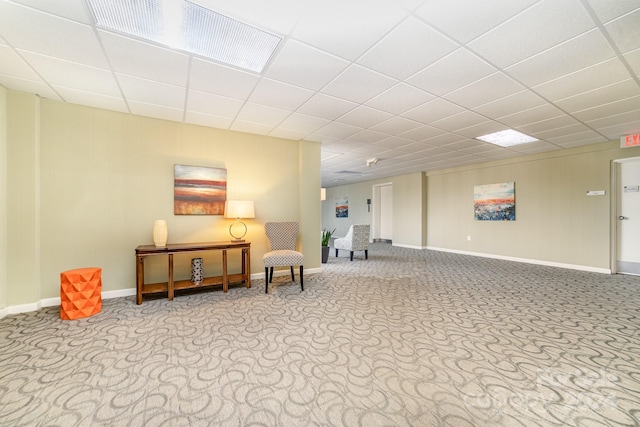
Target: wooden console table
point(171, 285)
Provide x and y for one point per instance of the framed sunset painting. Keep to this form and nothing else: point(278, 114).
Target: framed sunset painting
point(495, 202)
point(199, 190)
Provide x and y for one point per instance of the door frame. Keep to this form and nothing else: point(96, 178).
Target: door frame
point(615, 173)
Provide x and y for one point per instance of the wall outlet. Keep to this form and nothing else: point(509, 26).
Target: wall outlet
point(468, 238)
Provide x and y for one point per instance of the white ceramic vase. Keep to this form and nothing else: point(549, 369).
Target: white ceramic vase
point(160, 232)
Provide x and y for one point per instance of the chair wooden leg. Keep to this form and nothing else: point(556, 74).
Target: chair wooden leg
point(366, 254)
point(336, 253)
point(271, 275)
point(266, 280)
point(351, 255)
point(301, 280)
point(293, 277)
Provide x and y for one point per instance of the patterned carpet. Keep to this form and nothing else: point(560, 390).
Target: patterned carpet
point(406, 338)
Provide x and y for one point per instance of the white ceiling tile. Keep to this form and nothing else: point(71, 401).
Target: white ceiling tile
point(451, 72)
point(304, 66)
point(523, 36)
point(50, 35)
point(151, 92)
point(280, 95)
point(625, 31)
point(607, 10)
point(208, 120)
point(547, 125)
point(368, 137)
point(580, 52)
point(579, 137)
point(337, 130)
point(459, 121)
point(210, 104)
point(303, 122)
point(533, 115)
point(611, 109)
point(29, 86)
point(433, 110)
point(601, 96)
point(573, 129)
point(144, 60)
point(399, 99)
point(394, 142)
point(364, 117)
point(281, 132)
point(616, 126)
point(346, 28)
point(75, 10)
point(396, 125)
point(480, 129)
point(92, 99)
point(633, 59)
point(156, 111)
point(402, 53)
point(421, 133)
point(535, 147)
point(250, 127)
point(278, 16)
point(262, 114)
point(443, 139)
point(72, 75)
point(220, 80)
point(587, 79)
point(325, 106)
point(12, 64)
point(467, 19)
point(519, 101)
point(485, 90)
point(358, 84)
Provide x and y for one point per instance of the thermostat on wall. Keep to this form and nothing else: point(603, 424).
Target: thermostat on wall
point(595, 193)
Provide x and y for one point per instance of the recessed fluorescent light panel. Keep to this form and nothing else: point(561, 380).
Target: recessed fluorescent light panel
point(186, 26)
point(507, 138)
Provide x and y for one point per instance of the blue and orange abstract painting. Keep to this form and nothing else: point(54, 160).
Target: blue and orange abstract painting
point(199, 190)
point(495, 202)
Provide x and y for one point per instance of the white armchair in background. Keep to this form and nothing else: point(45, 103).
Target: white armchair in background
point(357, 239)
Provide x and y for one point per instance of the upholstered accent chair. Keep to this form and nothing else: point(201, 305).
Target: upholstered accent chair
point(282, 239)
point(357, 239)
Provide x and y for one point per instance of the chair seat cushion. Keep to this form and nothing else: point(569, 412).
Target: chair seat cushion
point(282, 257)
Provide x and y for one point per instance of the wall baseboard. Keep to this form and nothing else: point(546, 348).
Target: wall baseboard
point(525, 260)
point(53, 302)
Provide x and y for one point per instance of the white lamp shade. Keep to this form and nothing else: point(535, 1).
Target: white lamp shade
point(239, 209)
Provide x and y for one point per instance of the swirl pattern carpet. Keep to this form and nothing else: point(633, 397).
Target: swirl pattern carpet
point(405, 338)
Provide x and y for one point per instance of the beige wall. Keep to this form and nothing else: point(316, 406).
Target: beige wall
point(408, 207)
point(3, 198)
point(555, 220)
point(556, 223)
point(85, 186)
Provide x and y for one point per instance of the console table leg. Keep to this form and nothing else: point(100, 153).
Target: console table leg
point(139, 278)
point(246, 266)
point(170, 280)
point(225, 278)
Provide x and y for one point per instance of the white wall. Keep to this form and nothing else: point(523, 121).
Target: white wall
point(3, 198)
point(85, 186)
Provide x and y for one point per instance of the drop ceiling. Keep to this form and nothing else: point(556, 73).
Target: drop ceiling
point(408, 82)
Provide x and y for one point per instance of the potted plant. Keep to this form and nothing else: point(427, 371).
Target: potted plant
point(326, 238)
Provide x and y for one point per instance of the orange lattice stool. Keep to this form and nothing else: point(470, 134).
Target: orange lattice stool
point(80, 293)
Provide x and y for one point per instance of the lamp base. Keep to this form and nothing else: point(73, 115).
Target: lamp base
point(237, 240)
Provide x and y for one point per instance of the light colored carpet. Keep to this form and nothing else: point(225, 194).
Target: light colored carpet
point(406, 338)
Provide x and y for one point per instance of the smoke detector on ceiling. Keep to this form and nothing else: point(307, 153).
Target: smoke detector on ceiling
point(372, 161)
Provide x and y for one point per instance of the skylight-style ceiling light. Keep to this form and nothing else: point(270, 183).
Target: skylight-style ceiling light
point(187, 26)
point(507, 138)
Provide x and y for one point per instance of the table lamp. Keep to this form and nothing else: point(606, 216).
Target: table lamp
point(238, 209)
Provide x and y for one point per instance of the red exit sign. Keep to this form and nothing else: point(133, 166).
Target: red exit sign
point(630, 141)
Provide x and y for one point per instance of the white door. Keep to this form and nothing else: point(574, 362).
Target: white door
point(386, 213)
point(628, 217)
